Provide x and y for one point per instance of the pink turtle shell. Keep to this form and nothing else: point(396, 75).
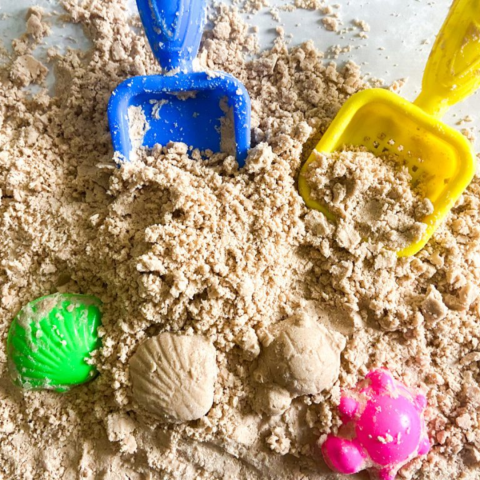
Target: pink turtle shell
point(383, 428)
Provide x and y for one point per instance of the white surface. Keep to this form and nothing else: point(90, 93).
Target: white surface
point(395, 48)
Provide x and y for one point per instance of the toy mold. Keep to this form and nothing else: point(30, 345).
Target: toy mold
point(383, 428)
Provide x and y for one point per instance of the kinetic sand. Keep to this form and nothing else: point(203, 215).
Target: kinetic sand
point(174, 244)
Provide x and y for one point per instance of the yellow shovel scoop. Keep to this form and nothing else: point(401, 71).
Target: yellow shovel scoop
point(434, 153)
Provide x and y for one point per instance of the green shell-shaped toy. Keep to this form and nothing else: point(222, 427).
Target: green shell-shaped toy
point(50, 340)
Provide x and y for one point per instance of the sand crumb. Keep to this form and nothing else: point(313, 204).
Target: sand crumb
point(252, 6)
point(361, 24)
point(309, 4)
point(26, 70)
point(466, 119)
point(335, 51)
point(331, 24)
point(469, 134)
point(36, 28)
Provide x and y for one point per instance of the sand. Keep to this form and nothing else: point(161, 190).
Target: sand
point(171, 243)
point(373, 199)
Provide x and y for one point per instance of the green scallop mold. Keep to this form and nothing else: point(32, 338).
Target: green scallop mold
point(50, 340)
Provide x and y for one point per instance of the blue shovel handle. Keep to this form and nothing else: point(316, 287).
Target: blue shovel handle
point(174, 29)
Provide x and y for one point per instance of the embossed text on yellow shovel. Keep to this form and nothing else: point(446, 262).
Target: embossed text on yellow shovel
point(434, 153)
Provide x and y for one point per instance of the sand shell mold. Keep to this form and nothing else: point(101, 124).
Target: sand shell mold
point(301, 357)
point(51, 339)
point(173, 377)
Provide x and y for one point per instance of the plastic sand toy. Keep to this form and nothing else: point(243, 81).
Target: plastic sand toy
point(50, 340)
point(438, 157)
point(383, 428)
point(204, 109)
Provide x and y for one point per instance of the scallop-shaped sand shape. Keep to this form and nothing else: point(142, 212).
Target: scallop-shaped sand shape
point(173, 377)
point(51, 339)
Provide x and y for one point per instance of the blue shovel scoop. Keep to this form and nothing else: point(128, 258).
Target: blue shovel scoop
point(204, 109)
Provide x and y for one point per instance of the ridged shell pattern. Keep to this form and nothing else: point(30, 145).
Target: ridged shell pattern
point(173, 377)
point(51, 339)
point(302, 357)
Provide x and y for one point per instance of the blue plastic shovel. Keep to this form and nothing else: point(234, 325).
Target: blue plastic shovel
point(204, 109)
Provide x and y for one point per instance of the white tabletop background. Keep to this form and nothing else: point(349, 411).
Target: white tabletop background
point(401, 35)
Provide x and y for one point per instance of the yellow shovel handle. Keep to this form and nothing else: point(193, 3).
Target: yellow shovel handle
point(453, 68)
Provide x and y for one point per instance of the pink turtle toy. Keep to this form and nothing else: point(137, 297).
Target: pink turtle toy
point(383, 428)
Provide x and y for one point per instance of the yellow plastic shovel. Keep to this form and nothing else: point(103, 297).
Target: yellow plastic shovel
point(435, 154)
